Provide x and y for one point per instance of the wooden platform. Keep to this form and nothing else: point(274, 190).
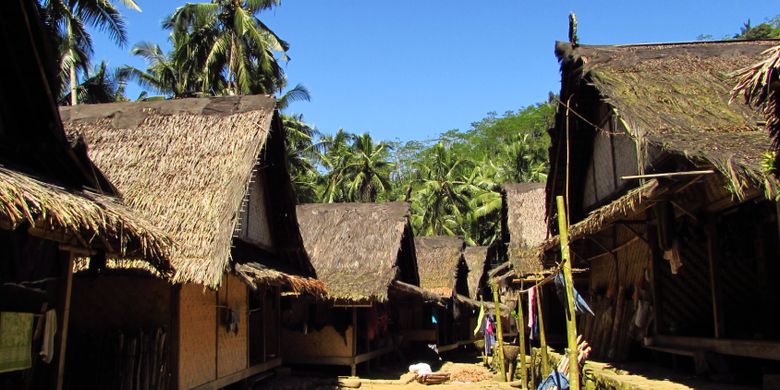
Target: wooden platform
point(351, 361)
point(241, 375)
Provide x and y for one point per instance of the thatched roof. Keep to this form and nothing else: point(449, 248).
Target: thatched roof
point(438, 260)
point(87, 217)
point(476, 257)
point(676, 97)
point(256, 274)
point(183, 164)
point(524, 224)
point(358, 249)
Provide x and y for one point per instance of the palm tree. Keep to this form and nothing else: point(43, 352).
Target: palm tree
point(101, 86)
point(69, 18)
point(163, 75)
point(333, 159)
point(440, 194)
point(225, 36)
point(366, 172)
point(302, 154)
point(525, 161)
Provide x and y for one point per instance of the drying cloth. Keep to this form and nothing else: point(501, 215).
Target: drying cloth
point(15, 341)
point(580, 306)
point(421, 369)
point(49, 331)
point(531, 312)
point(556, 380)
point(480, 317)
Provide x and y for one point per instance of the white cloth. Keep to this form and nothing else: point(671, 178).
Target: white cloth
point(421, 369)
point(49, 331)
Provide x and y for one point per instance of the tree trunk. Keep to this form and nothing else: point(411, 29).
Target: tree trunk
point(74, 100)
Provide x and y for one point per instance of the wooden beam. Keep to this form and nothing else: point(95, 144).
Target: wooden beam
point(68, 276)
point(668, 174)
point(240, 375)
point(769, 350)
point(362, 358)
point(353, 366)
point(712, 262)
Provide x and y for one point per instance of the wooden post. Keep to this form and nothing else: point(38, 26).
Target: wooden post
point(499, 334)
point(353, 366)
point(521, 337)
point(571, 316)
point(542, 334)
point(712, 260)
point(68, 275)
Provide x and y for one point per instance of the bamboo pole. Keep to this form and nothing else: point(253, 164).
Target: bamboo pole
point(499, 334)
point(571, 317)
point(542, 334)
point(521, 336)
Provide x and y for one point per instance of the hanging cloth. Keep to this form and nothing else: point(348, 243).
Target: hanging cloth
point(580, 306)
point(15, 341)
point(480, 317)
point(49, 331)
point(531, 312)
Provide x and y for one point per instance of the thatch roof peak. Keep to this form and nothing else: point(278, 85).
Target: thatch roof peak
point(439, 259)
point(676, 97)
point(476, 260)
point(524, 223)
point(184, 165)
point(359, 249)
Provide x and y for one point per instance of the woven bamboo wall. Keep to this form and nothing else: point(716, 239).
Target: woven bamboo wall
point(197, 336)
point(325, 342)
point(254, 226)
point(113, 302)
point(600, 178)
point(232, 347)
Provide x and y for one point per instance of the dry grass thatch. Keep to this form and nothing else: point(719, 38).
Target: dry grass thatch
point(525, 223)
point(758, 86)
point(355, 248)
point(676, 97)
point(86, 216)
point(476, 257)
point(626, 206)
point(438, 260)
point(184, 165)
point(256, 274)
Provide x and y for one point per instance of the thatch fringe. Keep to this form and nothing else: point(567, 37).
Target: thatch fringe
point(184, 165)
point(86, 216)
point(476, 258)
point(255, 274)
point(526, 223)
point(623, 207)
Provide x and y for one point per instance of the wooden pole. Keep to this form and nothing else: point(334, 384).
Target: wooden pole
point(65, 321)
point(542, 334)
point(521, 337)
point(571, 317)
point(499, 334)
point(353, 366)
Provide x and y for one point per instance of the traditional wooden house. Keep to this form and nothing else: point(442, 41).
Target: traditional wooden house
point(55, 205)
point(364, 254)
point(443, 271)
point(671, 207)
point(212, 173)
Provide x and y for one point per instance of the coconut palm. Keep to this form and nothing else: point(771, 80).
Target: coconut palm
point(69, 20)
point(225, 36)
point(333, 160)
point(163, 75)
point(366, 170)
point(102, 85)
point(302, 154)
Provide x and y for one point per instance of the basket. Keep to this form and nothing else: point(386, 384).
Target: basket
point(511, 352)
point(480, 344)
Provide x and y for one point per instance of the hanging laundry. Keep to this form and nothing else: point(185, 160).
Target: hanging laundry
point(15, 341)
point(580, 306)
point(531, 312)
point(49, 331)
point(490, 335)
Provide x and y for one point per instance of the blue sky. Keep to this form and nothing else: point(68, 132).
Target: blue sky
point(411, 69)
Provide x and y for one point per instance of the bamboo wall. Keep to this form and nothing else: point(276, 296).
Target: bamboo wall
point(232, 347)
point(255, 226)
point(197, 336)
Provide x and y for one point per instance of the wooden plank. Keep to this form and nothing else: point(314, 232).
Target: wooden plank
point(448, 347)
point(240, 375)
point(769, 350)
point(668, 174)
point(68, 271)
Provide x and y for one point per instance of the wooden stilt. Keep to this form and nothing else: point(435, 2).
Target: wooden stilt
point(68, 276)
point(571, 316)
point(353, 367)
point(542, 333)
point(521, 337)
point(499, 335)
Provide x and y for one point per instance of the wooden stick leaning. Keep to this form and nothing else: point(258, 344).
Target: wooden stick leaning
point(571, 317)
point(499, 334)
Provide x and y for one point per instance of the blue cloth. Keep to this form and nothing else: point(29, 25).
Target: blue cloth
point(580, 306)
point(555, 379)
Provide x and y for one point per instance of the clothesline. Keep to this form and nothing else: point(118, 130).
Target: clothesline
point(547, 279)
